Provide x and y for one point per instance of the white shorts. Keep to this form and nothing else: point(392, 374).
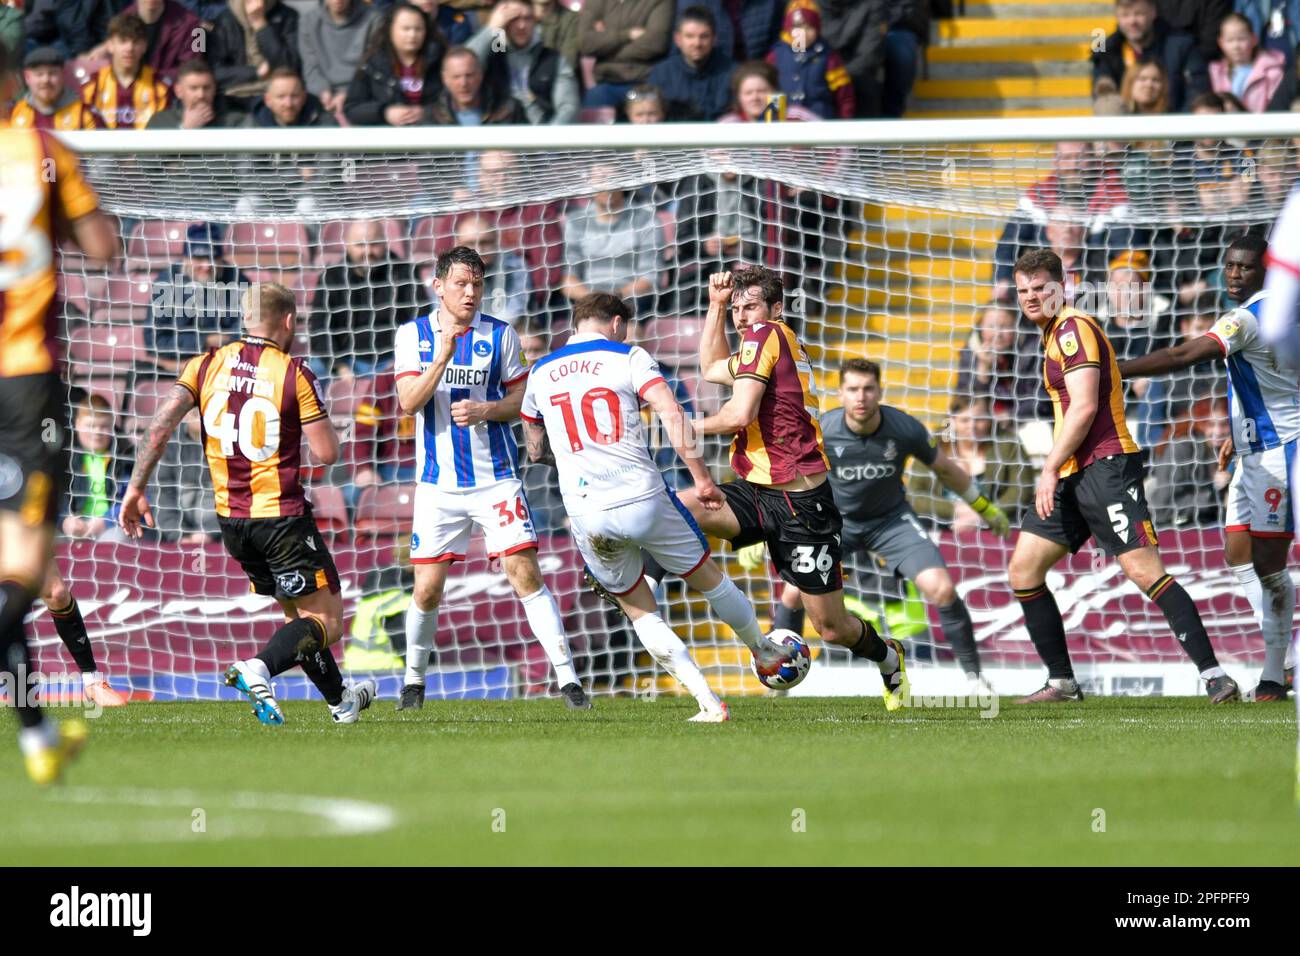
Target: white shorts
point(1259, 496)
point(611, 541)
point(444, 520)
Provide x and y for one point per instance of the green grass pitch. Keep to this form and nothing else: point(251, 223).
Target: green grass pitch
point(796, 781)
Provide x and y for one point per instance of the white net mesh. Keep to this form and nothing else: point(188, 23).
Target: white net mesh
point(897, 253)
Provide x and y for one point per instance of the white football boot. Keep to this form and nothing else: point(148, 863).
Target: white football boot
point(356, 698)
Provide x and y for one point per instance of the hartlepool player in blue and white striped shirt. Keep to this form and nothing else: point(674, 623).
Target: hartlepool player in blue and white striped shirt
point(462, 375)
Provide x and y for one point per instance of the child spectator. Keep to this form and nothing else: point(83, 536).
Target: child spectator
point(811, 73)
point(1275, 22)
point(536, 75)
point(196, 104)
point(332, 39)
point(248, 41)
point(1145, 89)
point(1258, 77)
point(400, 77)
point(627, 38)
point(97, 473)
point(171, 33)
point(126, 93)
point(695, 79)
point(48, 103)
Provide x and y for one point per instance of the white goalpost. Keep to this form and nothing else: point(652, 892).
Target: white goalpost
point(895, 241)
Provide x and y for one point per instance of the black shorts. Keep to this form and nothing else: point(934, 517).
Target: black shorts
point(33, 461)
point(1105, 501)
point(801, 528)
point(286, 557)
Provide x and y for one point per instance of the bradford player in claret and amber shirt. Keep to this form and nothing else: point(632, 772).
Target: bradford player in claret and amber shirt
point(1091, 487)
point(257, 403)
point(36, 210)
point(781, 494)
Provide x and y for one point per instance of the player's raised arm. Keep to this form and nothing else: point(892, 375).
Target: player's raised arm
point(683, 439)
point(513, 372)
point(714, 354)
point(1203, 348)
point(135, 504)
point(414, 391)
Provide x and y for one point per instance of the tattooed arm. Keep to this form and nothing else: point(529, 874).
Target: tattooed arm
point(539, 446)
point(135, 505)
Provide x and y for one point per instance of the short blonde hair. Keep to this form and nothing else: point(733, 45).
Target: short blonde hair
point(265, 300)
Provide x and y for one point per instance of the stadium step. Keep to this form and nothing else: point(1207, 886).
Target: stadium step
point(1023, 9)
point(1012, 107)
point(1020, 29)
point(1006, 88)
point(976, 68)
point(931, 243)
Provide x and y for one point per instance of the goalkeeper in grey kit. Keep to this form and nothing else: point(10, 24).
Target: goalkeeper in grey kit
point(868, 445)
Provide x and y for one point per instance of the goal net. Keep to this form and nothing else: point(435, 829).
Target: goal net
point(895, 242)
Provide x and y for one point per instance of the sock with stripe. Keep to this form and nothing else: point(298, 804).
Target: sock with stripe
point(735, 610)
point(15, 601)
point(544, 618)
point(1185, 621)
point(72, 631)
point(1278, 612)
point(959, 632)
point(421, 626)
point(1046, 630)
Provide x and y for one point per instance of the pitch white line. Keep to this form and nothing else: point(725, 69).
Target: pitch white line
point(334, 816)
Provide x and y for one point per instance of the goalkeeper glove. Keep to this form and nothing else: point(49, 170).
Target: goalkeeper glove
point(993, 516)
point(751, 557)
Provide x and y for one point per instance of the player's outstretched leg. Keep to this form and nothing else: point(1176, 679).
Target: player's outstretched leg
point(71, 627)
point(421, 628)
point(736, 611)
point(669, 652)
point(1027, 573)
point(835, 625)
point(544, 619)
point(1145, 569)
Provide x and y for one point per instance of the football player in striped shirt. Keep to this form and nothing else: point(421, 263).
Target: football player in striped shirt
point(781, 494)
point(1259, 524)
point(257, 404)
point(1090, 487)
point(462, 375)
point(35, 209)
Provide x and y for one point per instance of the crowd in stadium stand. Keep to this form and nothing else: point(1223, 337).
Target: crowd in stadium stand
point(266, 64)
